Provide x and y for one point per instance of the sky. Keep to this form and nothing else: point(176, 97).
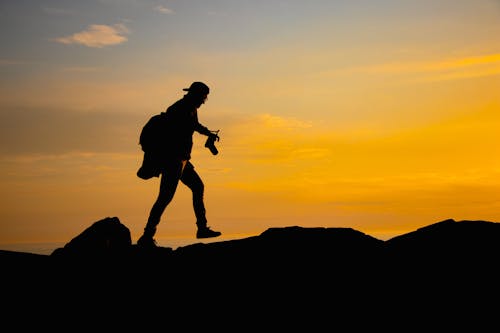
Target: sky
point(377, 115)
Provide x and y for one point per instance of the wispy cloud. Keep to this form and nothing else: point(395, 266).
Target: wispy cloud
point(97, 35)
point(66, 130)
point(433, 66)
point(448, 69)
point(272, 121)
point(216, 13)
point(164, 10)
point(57, 11)
point(76, 69)
point(10, 62)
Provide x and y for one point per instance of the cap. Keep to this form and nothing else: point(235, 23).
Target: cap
point(198, 88)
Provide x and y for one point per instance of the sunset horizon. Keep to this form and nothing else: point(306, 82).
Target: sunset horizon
point(379, 116)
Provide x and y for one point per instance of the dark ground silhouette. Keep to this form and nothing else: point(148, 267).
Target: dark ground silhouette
point(443, 276)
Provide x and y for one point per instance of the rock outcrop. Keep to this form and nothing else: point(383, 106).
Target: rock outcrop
point(444, 274)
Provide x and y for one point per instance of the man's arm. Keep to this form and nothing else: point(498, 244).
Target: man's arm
point(202, 129)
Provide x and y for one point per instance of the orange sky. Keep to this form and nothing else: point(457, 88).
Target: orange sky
point(381, 118)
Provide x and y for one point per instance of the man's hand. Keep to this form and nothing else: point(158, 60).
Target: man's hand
point(210, 143)
point(214, 135)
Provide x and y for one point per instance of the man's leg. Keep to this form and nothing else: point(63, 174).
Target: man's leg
point(168, 185)
point(192, 180)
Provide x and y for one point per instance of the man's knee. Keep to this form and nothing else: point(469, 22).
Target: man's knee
point(198, 187)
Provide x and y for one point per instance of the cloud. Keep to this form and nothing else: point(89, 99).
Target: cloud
point(272, 121)
point(447, 69)
point(57, 11)
point(97, 35)
point(77, 69)
point(25, 130)
point(10, 62)
point(435, 66)
point(163, 9)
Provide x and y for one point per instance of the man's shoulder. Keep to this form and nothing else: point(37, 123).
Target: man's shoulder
point(179, 104)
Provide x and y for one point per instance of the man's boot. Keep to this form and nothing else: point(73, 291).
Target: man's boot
point(204, 231)
point(147, 240)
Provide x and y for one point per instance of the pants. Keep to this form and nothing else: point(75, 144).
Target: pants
point(170, 176)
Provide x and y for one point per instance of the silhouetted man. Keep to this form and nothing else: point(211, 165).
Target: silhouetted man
point(173, 162)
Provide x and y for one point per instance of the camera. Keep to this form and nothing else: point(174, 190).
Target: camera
point(210, 143)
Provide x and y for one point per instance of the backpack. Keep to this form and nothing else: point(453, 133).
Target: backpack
point(153, 133)
point(153, 138)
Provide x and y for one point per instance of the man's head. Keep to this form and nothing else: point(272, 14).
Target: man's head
point(198, 88)
point(198, 91)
